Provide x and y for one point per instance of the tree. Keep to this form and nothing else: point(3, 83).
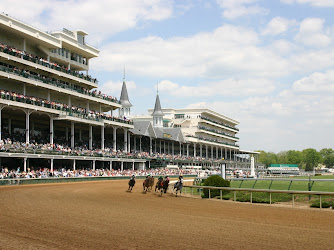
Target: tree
point(294, 157)
point(267, 158)
point(215, 181)
point(329, 160)
point(311, 158)
point(282, 157)
point(326, 151)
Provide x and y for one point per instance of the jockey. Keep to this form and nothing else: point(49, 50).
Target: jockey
point(133, 177)
point(180, 179)
point(166, 178)
point(160, 178)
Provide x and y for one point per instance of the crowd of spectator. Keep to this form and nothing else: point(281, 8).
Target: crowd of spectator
point(36, 59)
point(56, 82)
point(63, 172)
point(7, 145)
point(70, 110)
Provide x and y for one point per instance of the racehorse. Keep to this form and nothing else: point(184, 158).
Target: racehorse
point(159, 186)
point(165, 185)
point(148, 183)
point(178, 187)
point(131, 184)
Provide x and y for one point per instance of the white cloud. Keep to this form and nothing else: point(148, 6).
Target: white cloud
point(224, 52)
point(237, 8)
point(99, 18)
point(228, 88)
point(321, 83)
point(317, 3)
point(114, 88)
point(311, 33)
point(278, 25)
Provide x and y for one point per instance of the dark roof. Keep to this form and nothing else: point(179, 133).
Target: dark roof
point(124, 99)
point(157, 108)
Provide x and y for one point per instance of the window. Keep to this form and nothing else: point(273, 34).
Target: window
point(179, 116)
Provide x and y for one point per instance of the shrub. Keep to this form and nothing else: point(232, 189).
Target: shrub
point(325, 204)
point(215, 181)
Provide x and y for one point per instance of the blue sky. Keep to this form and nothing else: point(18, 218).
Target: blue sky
point(267, 64)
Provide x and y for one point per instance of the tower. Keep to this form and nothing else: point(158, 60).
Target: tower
point(157, 113)
point(124, 111)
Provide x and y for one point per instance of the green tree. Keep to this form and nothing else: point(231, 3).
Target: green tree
point(267, 158)
point(294, 157)
point(311, 158)
point(282, 157)
point(326, 151)
point(329, 160)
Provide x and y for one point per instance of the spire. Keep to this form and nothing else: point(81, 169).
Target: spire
point(124, 99)
point(157, 107)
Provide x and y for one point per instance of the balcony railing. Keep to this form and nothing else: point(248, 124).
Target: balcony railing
point(35, 59)
point(47, 80)
point(211, 140)
point(217, 132)
point(219, 123)
point(70, 111)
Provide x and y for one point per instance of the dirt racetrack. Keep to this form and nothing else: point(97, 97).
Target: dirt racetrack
point(102, 215)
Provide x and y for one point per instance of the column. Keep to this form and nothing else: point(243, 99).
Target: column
point(194, 149)
point(134, 144)
point(206, 152)
point(24, 44)
point(102, 137)
point(122, 166)
point(114, 138)
point(200, 150)
point(110, 165)
point(211, 152)
point(80, 134)
point(129, 142)
point(155, 146)
point(51, 167)
point(172, 148)
point(140, 144)
point(51, 130)
point(24, 89)
point(187, 150)
point(225, 153)
point(167, 147)
point(216, 152)
point(69, 101)
point(125, 140)
point(164, 147)
point(150, 145)
point(133, 165)
point(25, 164)
point(1, 107)
point(27, 125)
point(90, 145)
point(49, 95)
point(180, 148)
point(72, 134)
point(160, 146)
point(94, 165)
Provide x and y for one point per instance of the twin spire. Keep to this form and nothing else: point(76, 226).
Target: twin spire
point(124, 99)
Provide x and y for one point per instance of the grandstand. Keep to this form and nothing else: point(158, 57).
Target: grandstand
point(53, 116)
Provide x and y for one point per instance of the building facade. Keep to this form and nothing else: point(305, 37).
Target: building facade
point(52, 113)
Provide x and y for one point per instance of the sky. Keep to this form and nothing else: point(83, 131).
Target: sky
point(269, 64)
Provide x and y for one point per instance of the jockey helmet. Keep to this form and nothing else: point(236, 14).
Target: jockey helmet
point(133, 176)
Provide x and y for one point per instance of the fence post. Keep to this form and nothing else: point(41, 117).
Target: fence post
point(200, 193)
point(191, 191)
point(320, 201)
point(251, 197)
point(270, 198)
point(221, 194)
point(209, 193)
point(235, 196)
point(293, 199)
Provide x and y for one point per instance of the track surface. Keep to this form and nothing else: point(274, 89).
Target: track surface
point(102, 215)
